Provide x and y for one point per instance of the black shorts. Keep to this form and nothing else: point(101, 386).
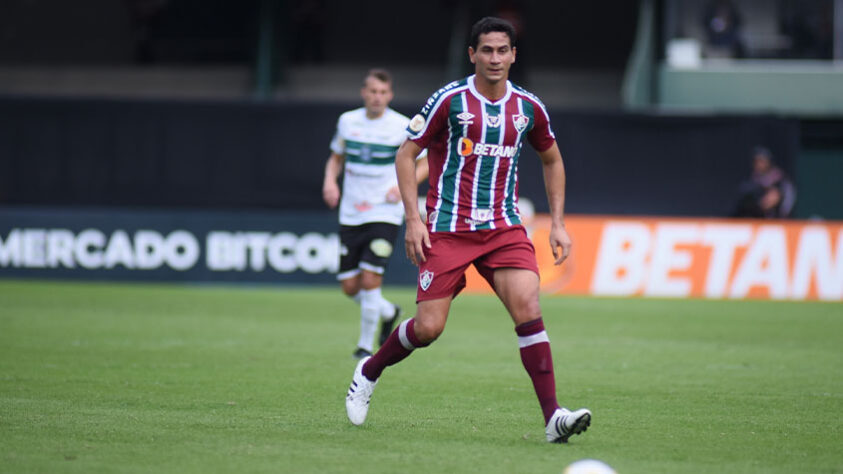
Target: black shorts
point(365, 247)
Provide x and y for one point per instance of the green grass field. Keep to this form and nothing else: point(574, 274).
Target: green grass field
point(141, 378)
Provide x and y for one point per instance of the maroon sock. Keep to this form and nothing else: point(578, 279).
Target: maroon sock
point(397, 347)
point(535, 355)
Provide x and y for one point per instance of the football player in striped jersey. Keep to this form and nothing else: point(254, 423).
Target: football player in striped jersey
point(473, 130)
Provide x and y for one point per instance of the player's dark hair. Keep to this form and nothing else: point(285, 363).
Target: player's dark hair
point(380, 74)
point(491, 24)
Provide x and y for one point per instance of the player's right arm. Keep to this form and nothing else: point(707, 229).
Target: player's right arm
point(330, 188)
point(416, 238)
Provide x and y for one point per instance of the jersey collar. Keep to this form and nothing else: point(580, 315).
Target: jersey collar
point(483, 98)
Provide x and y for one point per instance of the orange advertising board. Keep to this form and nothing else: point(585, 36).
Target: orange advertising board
point(700, 258)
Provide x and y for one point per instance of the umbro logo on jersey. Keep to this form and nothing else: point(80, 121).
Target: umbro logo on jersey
point(465, 118)
point(493, 121)
point(520, 121)
point(467, 147)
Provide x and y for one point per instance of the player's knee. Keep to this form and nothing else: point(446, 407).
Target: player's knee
point(350, 288)
point(428, 331)
point(527, 310)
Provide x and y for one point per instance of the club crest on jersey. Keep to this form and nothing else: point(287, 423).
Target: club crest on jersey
point(365, 153)
point(493, 121)
point(425, 279)
point(520, 121)
point(465, 118)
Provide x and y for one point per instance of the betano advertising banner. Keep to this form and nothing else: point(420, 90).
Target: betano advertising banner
point(700, 258)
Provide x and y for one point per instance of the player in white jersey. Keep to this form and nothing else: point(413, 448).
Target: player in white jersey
point(370, 209)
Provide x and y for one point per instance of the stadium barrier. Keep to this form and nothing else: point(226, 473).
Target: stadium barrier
point(193, 246)
point(699, 258)
point(612, 256)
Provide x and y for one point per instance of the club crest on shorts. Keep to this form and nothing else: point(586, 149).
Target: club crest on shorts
point(425, 279)
point(520, 121)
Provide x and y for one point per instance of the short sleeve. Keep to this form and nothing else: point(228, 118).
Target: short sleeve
point(338, 143)
point(541, 136)
point(422, 129)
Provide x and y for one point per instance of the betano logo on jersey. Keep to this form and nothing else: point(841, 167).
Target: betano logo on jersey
point(467, 147)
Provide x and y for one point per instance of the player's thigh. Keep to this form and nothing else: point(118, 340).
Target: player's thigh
point(518, 289)
point(352, 242)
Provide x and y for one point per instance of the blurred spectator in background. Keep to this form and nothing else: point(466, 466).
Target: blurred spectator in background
point(768, 192)
point(722, 24)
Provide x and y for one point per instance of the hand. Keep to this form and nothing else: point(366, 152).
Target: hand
point(331, 194)
point(393, 195)
point(770, 200)
point(560, 243)
point(416, 240)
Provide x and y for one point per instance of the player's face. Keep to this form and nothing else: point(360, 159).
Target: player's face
point(376, 96)
point(493, 57)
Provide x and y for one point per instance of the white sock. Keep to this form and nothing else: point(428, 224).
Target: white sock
point(369, 317)
point(387, 308)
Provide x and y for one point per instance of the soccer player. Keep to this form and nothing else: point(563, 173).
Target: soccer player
point(370, 211)
point(473, 130)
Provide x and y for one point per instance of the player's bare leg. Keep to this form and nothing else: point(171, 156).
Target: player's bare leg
point(411, 334)
point(518, 289)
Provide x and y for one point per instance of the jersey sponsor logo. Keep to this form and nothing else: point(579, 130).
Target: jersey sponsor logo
point(425, 279)
point(432, 100)
point(381, 247)
point(363, 206)
point(520, 121)
point(466, 147)
point(479, 216)
point(417, 123)
point(465, 118)
point(493, 121)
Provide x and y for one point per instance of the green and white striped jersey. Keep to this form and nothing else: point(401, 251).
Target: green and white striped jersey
point(369, 147)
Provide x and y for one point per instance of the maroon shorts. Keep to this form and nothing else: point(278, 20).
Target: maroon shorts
point(443, 273)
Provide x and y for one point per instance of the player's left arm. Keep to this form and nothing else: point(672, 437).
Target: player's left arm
point(394, 194)
point(554, 184)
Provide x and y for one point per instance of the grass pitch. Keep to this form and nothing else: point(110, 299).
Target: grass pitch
point(140, 378)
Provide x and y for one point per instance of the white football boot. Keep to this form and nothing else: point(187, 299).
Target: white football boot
point(565, 423)
point(359, 394)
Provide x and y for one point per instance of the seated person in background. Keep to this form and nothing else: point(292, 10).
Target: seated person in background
point(768, 192)
point(722, 23)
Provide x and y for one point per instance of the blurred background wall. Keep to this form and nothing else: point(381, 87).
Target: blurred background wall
point(217, 104)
